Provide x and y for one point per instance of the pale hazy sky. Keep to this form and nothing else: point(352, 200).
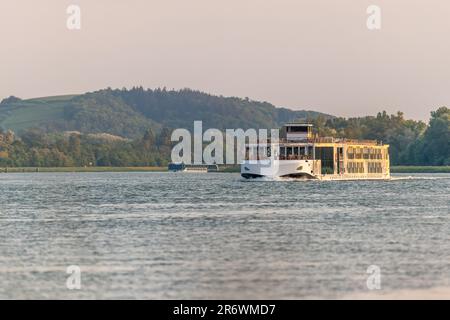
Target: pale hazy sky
point(313, 54)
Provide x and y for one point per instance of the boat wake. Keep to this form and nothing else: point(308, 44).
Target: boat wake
point(417, 178)
point(281, 179)
point(290, 179)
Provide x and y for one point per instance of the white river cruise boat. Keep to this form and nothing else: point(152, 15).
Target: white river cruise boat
point(300, 154)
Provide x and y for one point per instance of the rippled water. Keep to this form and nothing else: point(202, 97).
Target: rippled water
point(168, 235)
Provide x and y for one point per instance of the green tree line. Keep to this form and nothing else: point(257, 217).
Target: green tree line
point(411, 143)
point(35, 148)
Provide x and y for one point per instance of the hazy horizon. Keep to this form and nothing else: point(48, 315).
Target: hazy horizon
point(313, 55)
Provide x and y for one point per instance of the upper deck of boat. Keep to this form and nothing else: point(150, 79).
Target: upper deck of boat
point(319, 141)
point(301, 134)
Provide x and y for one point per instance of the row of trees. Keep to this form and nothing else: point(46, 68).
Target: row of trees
point(411, 143)
point(36, 148)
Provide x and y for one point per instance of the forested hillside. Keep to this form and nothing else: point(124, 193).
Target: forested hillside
point(411, 142)
point(133, 127)
point(129, 113)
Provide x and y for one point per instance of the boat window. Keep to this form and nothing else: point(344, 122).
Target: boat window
point(302, 150)
point(366, 153)
point(299, 129)
point(289, 151)
point(282, 155)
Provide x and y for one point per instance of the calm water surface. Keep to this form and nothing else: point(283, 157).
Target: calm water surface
point(189, 236)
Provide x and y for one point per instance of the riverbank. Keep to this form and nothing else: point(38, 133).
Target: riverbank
point(83, 169)
point(227, 169)
point(420, 169)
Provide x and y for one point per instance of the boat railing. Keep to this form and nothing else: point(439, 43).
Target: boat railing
point(320, 140)
point(296, 157)
point(281, 157)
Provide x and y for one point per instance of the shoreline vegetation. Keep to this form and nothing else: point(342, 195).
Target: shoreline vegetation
point(82, 169)
point(420, 169)
point(133, 128)
point(228, 169)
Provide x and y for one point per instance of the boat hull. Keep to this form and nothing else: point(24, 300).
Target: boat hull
point(277, 168)
point(301, 169)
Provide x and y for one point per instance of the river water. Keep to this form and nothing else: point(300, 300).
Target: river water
point(216, 236)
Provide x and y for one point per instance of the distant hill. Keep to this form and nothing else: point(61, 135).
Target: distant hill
point(129, 113)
